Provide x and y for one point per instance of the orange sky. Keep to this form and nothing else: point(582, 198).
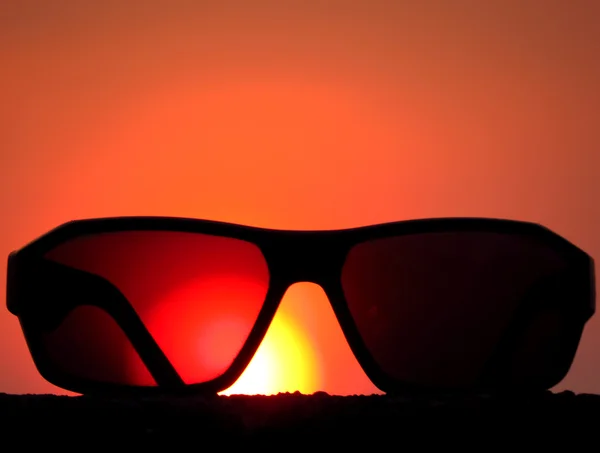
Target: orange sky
point(299, 117)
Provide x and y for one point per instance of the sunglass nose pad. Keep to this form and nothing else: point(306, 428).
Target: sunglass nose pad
point(312, 258)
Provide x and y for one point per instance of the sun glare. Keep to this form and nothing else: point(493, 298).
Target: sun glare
point(303, 350)
point(284, 362)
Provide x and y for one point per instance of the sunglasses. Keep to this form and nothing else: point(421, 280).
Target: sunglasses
point(170, 305)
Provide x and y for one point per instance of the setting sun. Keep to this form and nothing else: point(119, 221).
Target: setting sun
point(301, 351)
point(284, 362)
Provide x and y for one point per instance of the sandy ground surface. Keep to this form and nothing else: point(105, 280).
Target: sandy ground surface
point(292, 420)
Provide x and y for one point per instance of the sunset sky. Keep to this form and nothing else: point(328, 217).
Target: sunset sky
point(298, 115)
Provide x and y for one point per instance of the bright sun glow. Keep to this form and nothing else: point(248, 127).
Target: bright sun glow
point(284, 362)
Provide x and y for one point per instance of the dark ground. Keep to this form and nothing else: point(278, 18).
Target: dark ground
point(293, 420)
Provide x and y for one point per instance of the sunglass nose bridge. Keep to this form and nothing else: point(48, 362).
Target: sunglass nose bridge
point(308, 258)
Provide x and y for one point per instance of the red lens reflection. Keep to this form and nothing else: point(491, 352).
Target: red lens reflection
point(198, 295)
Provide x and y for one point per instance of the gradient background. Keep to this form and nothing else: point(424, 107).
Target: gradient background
point(308, 115)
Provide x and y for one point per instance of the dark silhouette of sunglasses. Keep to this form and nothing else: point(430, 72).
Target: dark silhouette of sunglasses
point(146, 305)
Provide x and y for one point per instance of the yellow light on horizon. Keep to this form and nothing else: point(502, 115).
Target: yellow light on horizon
point(284, 362)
